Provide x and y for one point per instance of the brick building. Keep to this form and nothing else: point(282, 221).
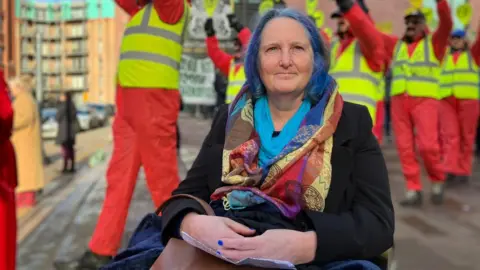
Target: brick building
point(79, 42)
point(7, 40)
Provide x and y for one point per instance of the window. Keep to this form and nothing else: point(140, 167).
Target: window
point(78, 30)
point(41, 14)
point(78, 46)
point(77, 13)
point(78, 63)
point(78, 82)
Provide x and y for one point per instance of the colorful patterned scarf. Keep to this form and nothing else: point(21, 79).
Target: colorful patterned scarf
point(299, 177)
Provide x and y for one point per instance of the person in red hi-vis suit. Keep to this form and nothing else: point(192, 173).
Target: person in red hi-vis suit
point(8, 182)
point(460, 106)
point(416, 63)
point(144, 129)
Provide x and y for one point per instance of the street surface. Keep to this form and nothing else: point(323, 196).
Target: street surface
point(431, 238)
point(87, 143)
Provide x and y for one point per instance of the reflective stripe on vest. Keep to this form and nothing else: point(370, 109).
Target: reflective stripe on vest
point(235, 82)
point(151, 51)
point(460, 79)
point(357, 82)
point(417, 75)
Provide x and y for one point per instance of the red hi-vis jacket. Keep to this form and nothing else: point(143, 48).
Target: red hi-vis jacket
point(369, 39)
point(221, 59)
point(439, 38)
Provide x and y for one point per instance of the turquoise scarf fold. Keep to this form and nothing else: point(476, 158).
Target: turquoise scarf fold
point(271, 146)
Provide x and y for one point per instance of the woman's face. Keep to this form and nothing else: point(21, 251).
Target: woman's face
point(13, 88)
point(286, 57)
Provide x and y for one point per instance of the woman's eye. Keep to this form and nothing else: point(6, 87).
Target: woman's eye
point(298, 48)
point(271, 49)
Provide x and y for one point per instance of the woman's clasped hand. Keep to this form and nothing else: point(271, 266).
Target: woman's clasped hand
point(236, 241)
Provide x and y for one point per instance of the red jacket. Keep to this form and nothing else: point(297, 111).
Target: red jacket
point(169, 11)
point(371, 41)
point(8, 169)
point(439, 38)
point(221, 59)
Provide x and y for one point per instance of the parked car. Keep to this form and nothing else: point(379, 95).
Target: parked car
point(84, 117)
point(99, 114)
point(49, 123)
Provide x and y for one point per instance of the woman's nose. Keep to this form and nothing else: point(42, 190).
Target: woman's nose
point(286, 58)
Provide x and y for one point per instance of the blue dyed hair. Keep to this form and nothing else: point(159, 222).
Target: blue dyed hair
point(320, 78)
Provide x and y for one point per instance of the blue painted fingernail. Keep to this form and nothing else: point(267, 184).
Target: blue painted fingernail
point(220, 242)
point(218, 252)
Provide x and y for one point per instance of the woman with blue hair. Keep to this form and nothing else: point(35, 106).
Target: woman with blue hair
point(291, 171)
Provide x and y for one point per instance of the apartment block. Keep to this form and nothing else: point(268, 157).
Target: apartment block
point(7, 40)
point(73, 45)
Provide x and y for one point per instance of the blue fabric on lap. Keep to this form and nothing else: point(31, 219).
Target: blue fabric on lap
point(143, 248)
point(351, 265)
point(146, 245)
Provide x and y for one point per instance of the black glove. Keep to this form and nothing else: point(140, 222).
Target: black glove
point(234, 23)
point(344, 5)
point(362, 4)
point(209, 28)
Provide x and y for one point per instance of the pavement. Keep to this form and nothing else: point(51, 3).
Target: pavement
point(430, 238)
point(87, 143)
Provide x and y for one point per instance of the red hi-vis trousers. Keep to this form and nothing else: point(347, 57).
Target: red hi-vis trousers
point(144, 133)
point(415, 123)
point(8, 229)
point(458, 127)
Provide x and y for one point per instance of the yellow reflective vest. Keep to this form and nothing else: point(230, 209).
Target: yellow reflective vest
point(460, 79)
point(418, 75)
point(235, 82)
point(357, 82)
point(151, 51)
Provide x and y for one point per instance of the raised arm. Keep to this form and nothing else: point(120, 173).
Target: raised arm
point(170, 11)
point(441, 35)
point(129, 6)
point(366, 230)
point(220, 59)
point(370, 39)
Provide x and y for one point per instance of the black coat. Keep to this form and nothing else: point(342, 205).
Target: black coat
point(67, 123)
point(358, 220)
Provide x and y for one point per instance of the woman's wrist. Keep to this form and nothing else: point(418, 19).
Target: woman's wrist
point(308, 246)
point(184, 226)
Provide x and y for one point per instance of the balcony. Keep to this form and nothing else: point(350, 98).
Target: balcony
point(27, 50)
point(77, 33)
point(51, 71)
point(71, 70)
point(78, 14)
point(27, 32)
point(52, 36)
point(27, 70)
point(79, 52)
point(52, 87)
point(52, 54)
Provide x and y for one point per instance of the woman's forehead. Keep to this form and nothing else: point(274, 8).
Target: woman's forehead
point(284, 30)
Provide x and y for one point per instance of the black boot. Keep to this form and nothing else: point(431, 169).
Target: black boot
point(92, 261)
point(463, 179)
point(412, 199)
point(451, 180)
point(438, 190)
